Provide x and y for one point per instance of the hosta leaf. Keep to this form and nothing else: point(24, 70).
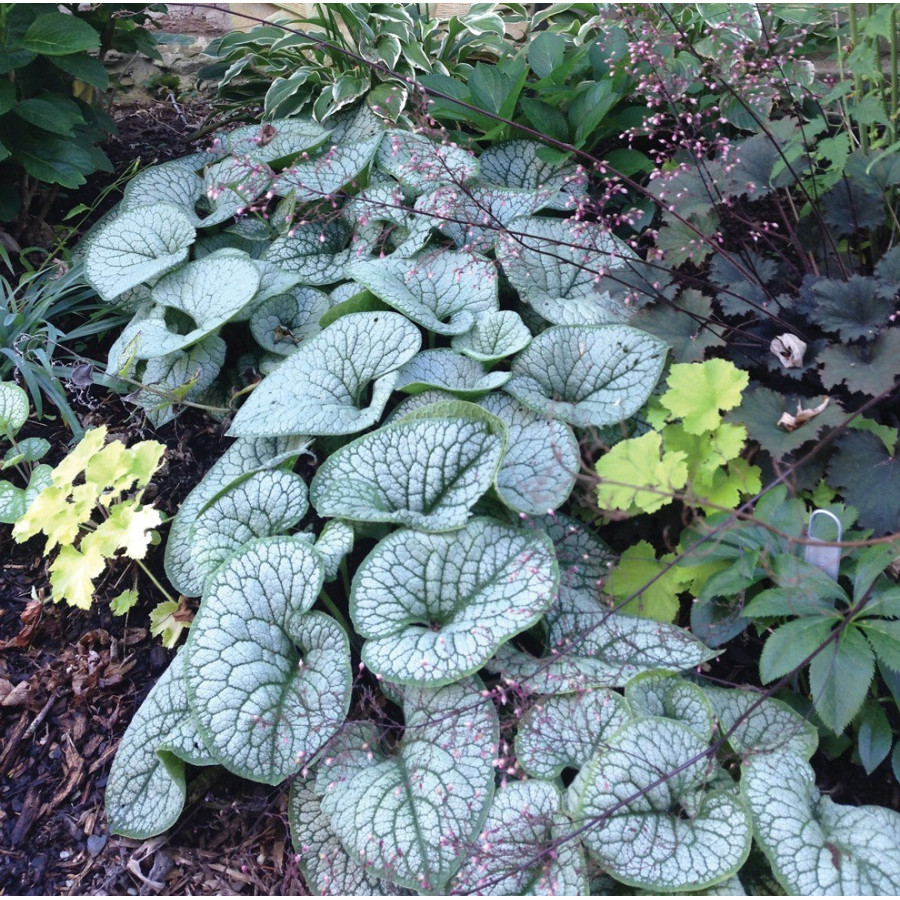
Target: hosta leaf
point(409, 816)
point(435, 607)
point(327, 867)
point(524, 848)
point(13, 408)
point(558, 265)
point(659, 826)
point(315, 252)
point(333, 544)
point(494, 336)
point(517, 164)
point(268, 682)
point(587, 375)
point(263, 504)
point(542, 460)
point(760, 725)
point(566, 730)
point(816, 846)
point(448, 370)
point(280, 323)
point(184, 374)
point(869, 478)
point(172, 182)
point(137, 245)
point(320, 388)
point(240, 460)
point(668, 696)
point(146, 788)
point(425, 471)
point(275, 140)
point(447, 293)
point(317, 179)
point(417, 162)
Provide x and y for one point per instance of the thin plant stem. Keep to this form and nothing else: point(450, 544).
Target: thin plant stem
point(155, 581)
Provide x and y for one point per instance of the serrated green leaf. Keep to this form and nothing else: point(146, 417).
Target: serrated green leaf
point(270, 686)
point(122, 603)
point(165, 624)
point(803, 590)
point(320, 388)
point(565, 731)
point(146, 788)
point(542, 459)
point(435, 607)
point(884, 637)
point(652, 769)
point(448, 457)
point(409, 816)
point(447, 292)
point(138, 245)
point(790, 644)
point(816, 846)
point(873, 737)
point(523, 849)
point(839, 678)
point(587, 375)
point(558, 266)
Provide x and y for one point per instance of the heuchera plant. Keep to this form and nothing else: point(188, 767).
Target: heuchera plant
point(509, 732)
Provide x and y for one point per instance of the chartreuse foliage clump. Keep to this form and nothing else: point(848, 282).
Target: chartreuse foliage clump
point(385, 632)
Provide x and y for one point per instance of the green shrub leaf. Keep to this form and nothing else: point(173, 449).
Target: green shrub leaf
point(58, 34)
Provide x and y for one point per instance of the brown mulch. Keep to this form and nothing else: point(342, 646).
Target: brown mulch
point(69, 684)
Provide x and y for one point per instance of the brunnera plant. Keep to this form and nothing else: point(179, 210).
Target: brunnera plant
point(433, 666)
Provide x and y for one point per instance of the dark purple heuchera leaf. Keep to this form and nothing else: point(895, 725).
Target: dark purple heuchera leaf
point(865, 368)
point(869, 478)
point(853, 308)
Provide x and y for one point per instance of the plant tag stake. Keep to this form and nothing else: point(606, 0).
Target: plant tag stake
point(818, 553)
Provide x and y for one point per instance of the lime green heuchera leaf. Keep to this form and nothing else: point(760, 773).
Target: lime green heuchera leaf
point(524, 848)
point(13, 408)
point(669, 696)
point(650, 586)
point(138, 245)
point(328, 868)
point(636, 475)
point(425, 471)
point(814, 845)
point(72, 575)
point(698, 392)
point(564, 731)
point(435, 607)
point(447, 293)
point(165, 624)
point(320, 389)
point(268, 681)
point(77, 459)
point(122, 603)
point(585, 375)
point(128, 528)
point(409, 815)
point(659, 824)
point(146, 788)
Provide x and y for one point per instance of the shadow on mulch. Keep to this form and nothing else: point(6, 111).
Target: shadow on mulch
point(69, 684)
